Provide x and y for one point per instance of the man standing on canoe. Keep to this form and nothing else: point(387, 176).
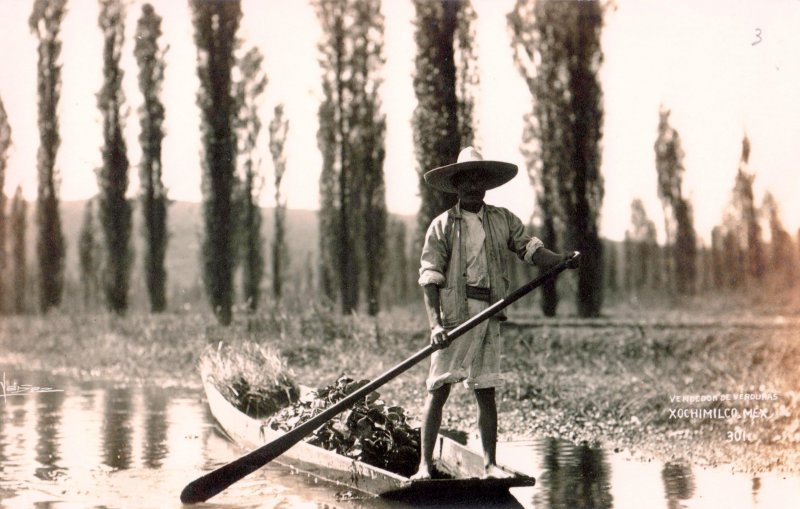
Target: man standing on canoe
point(462, 271)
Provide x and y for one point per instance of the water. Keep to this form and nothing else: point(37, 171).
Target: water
point(99, 444)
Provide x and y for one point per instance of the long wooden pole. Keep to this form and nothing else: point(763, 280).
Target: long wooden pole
point(205, 487)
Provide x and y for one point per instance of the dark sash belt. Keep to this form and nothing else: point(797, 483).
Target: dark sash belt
point(474, 292)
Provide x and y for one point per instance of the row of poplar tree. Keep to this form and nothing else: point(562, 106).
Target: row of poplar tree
point(738, 257)
point(231, 127)
point(353, 218)
point(556, 46)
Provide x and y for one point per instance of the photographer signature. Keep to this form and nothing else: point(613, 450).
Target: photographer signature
point(15, 389)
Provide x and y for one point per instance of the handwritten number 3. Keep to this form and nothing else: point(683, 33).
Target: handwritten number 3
point(758, 34)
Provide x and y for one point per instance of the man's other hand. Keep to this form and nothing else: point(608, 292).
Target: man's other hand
point(546, 259)
point(571, 259)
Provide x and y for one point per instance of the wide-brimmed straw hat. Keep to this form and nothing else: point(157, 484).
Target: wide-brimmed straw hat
point(494, 173)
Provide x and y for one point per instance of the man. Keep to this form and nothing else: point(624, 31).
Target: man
point(463, 270)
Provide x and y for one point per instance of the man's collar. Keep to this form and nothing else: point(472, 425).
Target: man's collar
point(455, 212)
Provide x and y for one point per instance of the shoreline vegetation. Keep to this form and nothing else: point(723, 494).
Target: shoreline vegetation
point(667, 386)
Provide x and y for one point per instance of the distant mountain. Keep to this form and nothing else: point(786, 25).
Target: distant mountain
point(185, 229)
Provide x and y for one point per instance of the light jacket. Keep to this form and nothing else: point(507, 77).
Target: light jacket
point(444, 261)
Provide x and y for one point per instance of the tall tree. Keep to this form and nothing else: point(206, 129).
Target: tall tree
point(685, 254)
point(310, 280)
point(351, 139)
point(735, 259)
point(542, 147)
point(678, 217)
point(369, 150)
point(798, 245)
point(18, 223)
point(329, 218)
point(744, 204)
point(782, 258)
point(444, 78)
point(89, 255)
point(642, 262)
point(465, 56)
point(612, 268)
point(628, 255)
point(398, 286)
point(248, 91)
point(5, 144)
point(154, 202)
point(45, 23)
point(705, 257)
point(557, 48)
point(278, 131)
point(542, 164)
point(114, 209)
point(215, 25)
point(718, 267)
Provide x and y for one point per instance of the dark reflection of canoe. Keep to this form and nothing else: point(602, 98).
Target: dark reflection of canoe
point(453, 459)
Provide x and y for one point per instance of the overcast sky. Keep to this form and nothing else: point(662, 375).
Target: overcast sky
point(723, 68)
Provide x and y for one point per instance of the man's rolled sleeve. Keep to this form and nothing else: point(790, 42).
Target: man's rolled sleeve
point(434, 257)
point(530, 248)
point(520, 242)
point(431, 277)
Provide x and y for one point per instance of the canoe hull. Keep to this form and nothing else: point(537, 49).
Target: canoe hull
point(453, 458)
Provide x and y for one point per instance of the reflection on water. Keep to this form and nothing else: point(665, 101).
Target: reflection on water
point(55, 447)
point(572, 476)
point(756, 487)
point(678, 484)
point(48, 431)
point(155, 444)
point(103, 445)
point(117, 452)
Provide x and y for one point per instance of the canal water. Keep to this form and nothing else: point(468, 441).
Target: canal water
point(100, 444)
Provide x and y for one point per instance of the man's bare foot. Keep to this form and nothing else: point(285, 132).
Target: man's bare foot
point(494, 472)
point(424, 472)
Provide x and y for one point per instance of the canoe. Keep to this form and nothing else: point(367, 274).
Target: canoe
point(464, 465)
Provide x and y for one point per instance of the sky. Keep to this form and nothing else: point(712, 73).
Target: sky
point(724, 69)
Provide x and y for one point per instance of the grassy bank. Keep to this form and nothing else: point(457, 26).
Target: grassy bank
point(612, 382)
